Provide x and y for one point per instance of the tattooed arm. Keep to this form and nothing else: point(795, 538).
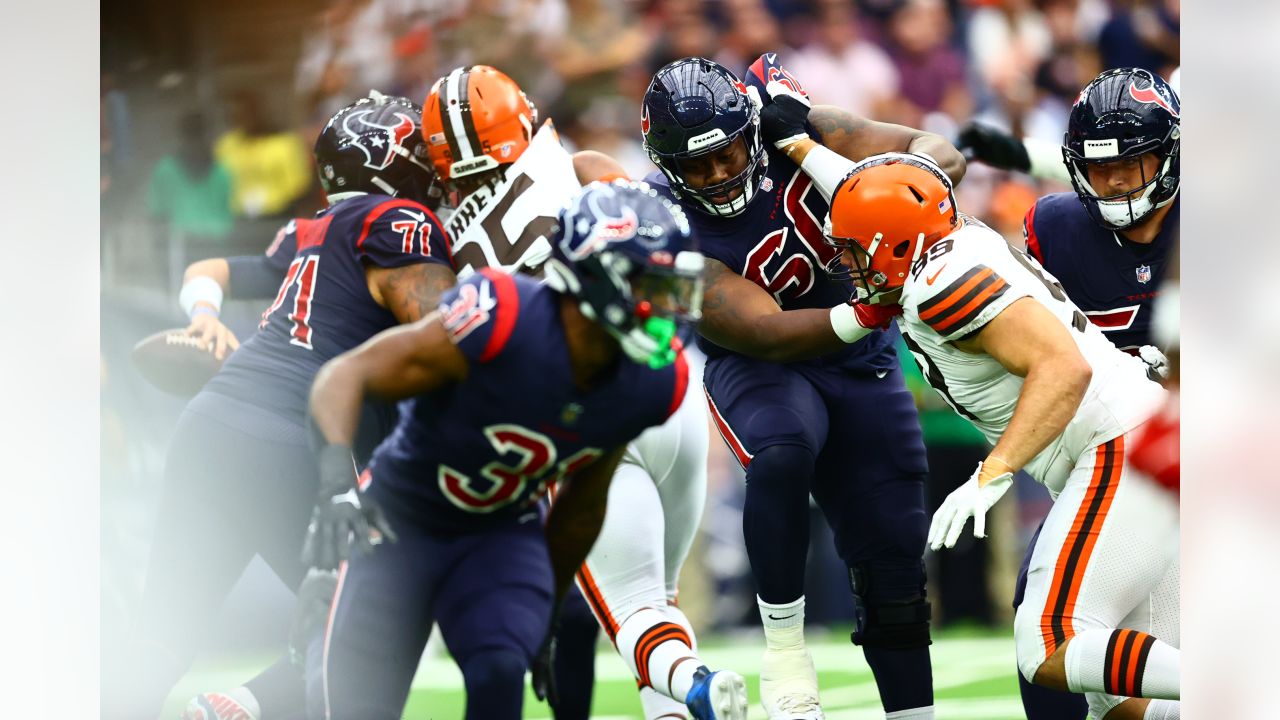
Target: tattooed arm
point(857, 137)
point(741, 316)
point(410, 292)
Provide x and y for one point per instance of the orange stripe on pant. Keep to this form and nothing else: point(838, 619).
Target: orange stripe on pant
point(1073, 559)
point(595, 598)
point(650, 640)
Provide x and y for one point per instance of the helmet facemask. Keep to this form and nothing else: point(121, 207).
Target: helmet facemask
point(748, 179)
point(1127, 208)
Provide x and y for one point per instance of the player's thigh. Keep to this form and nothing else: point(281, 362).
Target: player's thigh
point(498, 596)
point(378, 626)
point(869, 479)
point(757, 404)
point(625, 569)
point(1107, 544)
point(681, 480)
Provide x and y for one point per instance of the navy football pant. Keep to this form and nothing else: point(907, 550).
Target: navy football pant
point(238, 481)
point(853, 441)
point(1038, 701)
point(490, 593)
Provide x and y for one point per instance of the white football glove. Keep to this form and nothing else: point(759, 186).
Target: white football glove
point(964, 502)
point(1157, 363)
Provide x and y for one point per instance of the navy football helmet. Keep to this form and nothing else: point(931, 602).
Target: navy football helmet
point(629, 256)
point(694, 107)
point(1122, 114)
point(375, 145)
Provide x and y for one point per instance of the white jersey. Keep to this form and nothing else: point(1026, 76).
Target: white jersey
point(508, 227)
point(956, 288)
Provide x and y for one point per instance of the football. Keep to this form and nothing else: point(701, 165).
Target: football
point(173, 361)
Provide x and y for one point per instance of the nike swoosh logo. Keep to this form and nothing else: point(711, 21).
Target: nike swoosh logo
point(929, 280)
point(772, 617)
point(420, 217)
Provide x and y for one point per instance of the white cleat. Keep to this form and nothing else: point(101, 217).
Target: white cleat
point(789, 685)
point(720, 695)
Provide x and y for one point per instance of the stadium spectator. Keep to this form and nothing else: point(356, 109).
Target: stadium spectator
point(842, 68)
point(933, 92)
point(270, 167)
point(190, 191)
point(346, 52)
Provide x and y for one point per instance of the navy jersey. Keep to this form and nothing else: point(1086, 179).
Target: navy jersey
point(1113, 280)
point(482, 452)
point(323, 307)
point(777, 243)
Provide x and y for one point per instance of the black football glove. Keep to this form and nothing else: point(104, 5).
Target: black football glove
point(544, 665)
point(783, 121)
point(993, 146)
point(310, 613)
point(342, 512)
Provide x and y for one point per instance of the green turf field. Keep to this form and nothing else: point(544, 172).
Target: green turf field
point(973, 678)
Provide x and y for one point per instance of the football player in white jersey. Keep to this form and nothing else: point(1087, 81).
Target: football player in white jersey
point(509, 177)
point(999, 340)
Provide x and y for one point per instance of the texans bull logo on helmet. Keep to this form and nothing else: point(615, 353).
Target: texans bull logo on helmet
point(1150, 95)
point(377, 146)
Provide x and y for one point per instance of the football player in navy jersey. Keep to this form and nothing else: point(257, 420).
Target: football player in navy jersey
point(793, 363)
point(1110, 242)
point(511, 388)
point(239, 477)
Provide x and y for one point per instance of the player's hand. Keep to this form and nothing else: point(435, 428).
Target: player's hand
point(213, 335)
point(972, 499)
point(875, 316)
point(782, 122)
point(993, 146)
point(343, 514)
point(310, 612)
point(1157, 363)
point(543, 671)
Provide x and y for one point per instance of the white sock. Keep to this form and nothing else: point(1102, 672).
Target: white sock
point(657, 706)
point(783, 624)
point(1163, 710)
point(1122, 662)
point(920, 713)
point(658, 648)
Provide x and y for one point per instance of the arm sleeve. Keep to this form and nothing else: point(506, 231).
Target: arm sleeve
point(401, 232)
point(259, 276)
point(962, 298)
point(480, 314)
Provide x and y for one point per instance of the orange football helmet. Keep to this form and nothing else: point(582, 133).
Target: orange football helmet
point(886, 212)
point(474, 120)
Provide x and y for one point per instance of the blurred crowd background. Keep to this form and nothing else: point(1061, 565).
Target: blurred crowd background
point(208, 112)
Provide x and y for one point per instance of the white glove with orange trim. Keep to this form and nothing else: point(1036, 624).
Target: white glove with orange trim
point(973, 499)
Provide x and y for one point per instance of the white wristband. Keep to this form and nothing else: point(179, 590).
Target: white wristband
point(844, 320)
point(1046, 161)
point(826, 169)
point(200, 289)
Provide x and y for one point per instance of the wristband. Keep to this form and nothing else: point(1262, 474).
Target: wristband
point(1045, 161)
point(844, 321)
point(826, 169)
point(202, 310)
point(200, 289)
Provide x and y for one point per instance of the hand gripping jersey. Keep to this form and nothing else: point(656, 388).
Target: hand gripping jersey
point(508, 228)
point(323, 307)
point(1114, 281)
point(777, 243)
point(963, 282)
point(482, 452)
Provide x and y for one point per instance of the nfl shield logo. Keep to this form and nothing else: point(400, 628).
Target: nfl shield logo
point(766, 184)
point(1144, 273)
point(569, 415)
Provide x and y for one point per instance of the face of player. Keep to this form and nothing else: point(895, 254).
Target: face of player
point(1123, 177)
point(716, 167)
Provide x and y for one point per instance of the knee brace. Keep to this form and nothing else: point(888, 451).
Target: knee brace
point(889, 606)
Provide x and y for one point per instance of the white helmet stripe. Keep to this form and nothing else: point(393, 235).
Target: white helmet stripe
point(453, 112)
